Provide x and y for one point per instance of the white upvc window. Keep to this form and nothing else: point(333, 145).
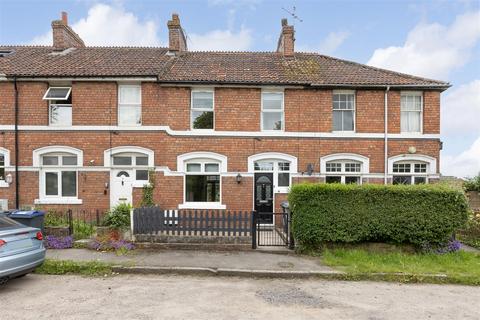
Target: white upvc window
point(136, 161)
point(59, 176)
point(129, 105)
point(343, 171)
point(202, 181)
point(59, 106)
point(411, 105)
point(281, 172)
point(273, 116)
point(410, 172)
point(343, 117)
point(202, 109)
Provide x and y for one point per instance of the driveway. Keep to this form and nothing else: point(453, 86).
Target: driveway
point(175, 297)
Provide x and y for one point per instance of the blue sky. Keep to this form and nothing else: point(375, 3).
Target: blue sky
point(436, 38)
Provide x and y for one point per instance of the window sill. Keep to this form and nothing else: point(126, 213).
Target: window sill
point(282, 189)
point(202, 205)
point(58, 201)
point(4, 184)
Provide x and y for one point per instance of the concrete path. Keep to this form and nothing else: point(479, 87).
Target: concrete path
point(179, 297)
point(240, 260)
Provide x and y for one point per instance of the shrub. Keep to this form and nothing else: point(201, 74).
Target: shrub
point(470, 235)
point(120, 247)
point(473, 184)
point(147, 191)
point(421, 214)
point(118, 217)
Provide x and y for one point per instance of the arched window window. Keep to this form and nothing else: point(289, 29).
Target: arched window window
point(202, 179)
point(58, 174)
point(133, 158)
point(411, 169)
point(344, 168)
point(280, 164)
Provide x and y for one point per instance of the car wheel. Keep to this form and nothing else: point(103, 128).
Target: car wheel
point(3, 281)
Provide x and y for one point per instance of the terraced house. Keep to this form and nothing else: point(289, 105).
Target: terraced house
point(86, 126)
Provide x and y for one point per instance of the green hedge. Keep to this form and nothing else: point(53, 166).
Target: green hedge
point(356, 213)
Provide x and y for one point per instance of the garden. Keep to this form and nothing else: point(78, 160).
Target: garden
point(101, 232)
point(407, 231)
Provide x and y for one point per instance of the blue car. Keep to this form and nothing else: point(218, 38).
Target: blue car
point(21, 249)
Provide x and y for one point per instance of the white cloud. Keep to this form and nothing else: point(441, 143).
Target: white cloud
point(466, 164)
point(432, 50)
point(328, 45)
point(111, 25)
point(218, 40)
point(461, 110)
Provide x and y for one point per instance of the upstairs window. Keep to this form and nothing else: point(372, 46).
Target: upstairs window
point(202, 114)
point(60, 106)
point(129, 105)
point(272, 111)
point(411, 112)
point(343, 111)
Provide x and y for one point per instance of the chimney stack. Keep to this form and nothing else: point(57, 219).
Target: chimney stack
point(176, 38)
point(286, 42)
point(63, 35)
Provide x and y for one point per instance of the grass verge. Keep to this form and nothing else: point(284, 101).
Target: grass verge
point(59, 267)
point(458, 267)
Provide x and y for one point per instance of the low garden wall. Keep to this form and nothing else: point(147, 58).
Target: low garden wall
point(418, 215)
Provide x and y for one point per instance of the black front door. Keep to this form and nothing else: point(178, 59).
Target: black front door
point(264, 196)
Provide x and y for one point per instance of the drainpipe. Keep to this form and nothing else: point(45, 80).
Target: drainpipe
point(17, 196)
point(385, 180)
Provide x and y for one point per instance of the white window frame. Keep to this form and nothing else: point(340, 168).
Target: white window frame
point(192, 109)
point(262, 111)
point(413, 159)
point(415, 94)
point(66, 96)
point(202, 157)
point(6, 159)
point(37, 162)
point(345, 158)
point(132, 151)
point(346, 92)
point(276, 158)
point(136, 105)
point(61, 105)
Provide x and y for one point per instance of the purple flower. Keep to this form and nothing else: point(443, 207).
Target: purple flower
point(52, 242)
point(111, 245)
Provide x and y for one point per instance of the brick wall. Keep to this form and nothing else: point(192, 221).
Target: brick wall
point(94, 103)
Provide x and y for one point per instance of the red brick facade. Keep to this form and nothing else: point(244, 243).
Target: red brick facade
point(166, 131)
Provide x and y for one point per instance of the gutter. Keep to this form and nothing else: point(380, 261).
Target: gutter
point(385, 163)
point(17, 195)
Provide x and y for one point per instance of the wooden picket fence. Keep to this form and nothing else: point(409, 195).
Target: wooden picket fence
point(218, 223)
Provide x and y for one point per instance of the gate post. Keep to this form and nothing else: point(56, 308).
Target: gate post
point(291, 241)
point(70, 222)
point(254, 230)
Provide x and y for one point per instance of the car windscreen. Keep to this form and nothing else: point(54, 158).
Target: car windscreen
point(7, 223)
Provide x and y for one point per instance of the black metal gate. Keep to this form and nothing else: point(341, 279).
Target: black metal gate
point(272, 229)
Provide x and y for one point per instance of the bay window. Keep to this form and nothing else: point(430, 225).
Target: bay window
point(60, 106)
point(129, 105)
point(411, 105)
point(272, 111)
point(202, 109)
point(343, 117)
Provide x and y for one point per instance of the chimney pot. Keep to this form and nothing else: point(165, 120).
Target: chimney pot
point(65, 18)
